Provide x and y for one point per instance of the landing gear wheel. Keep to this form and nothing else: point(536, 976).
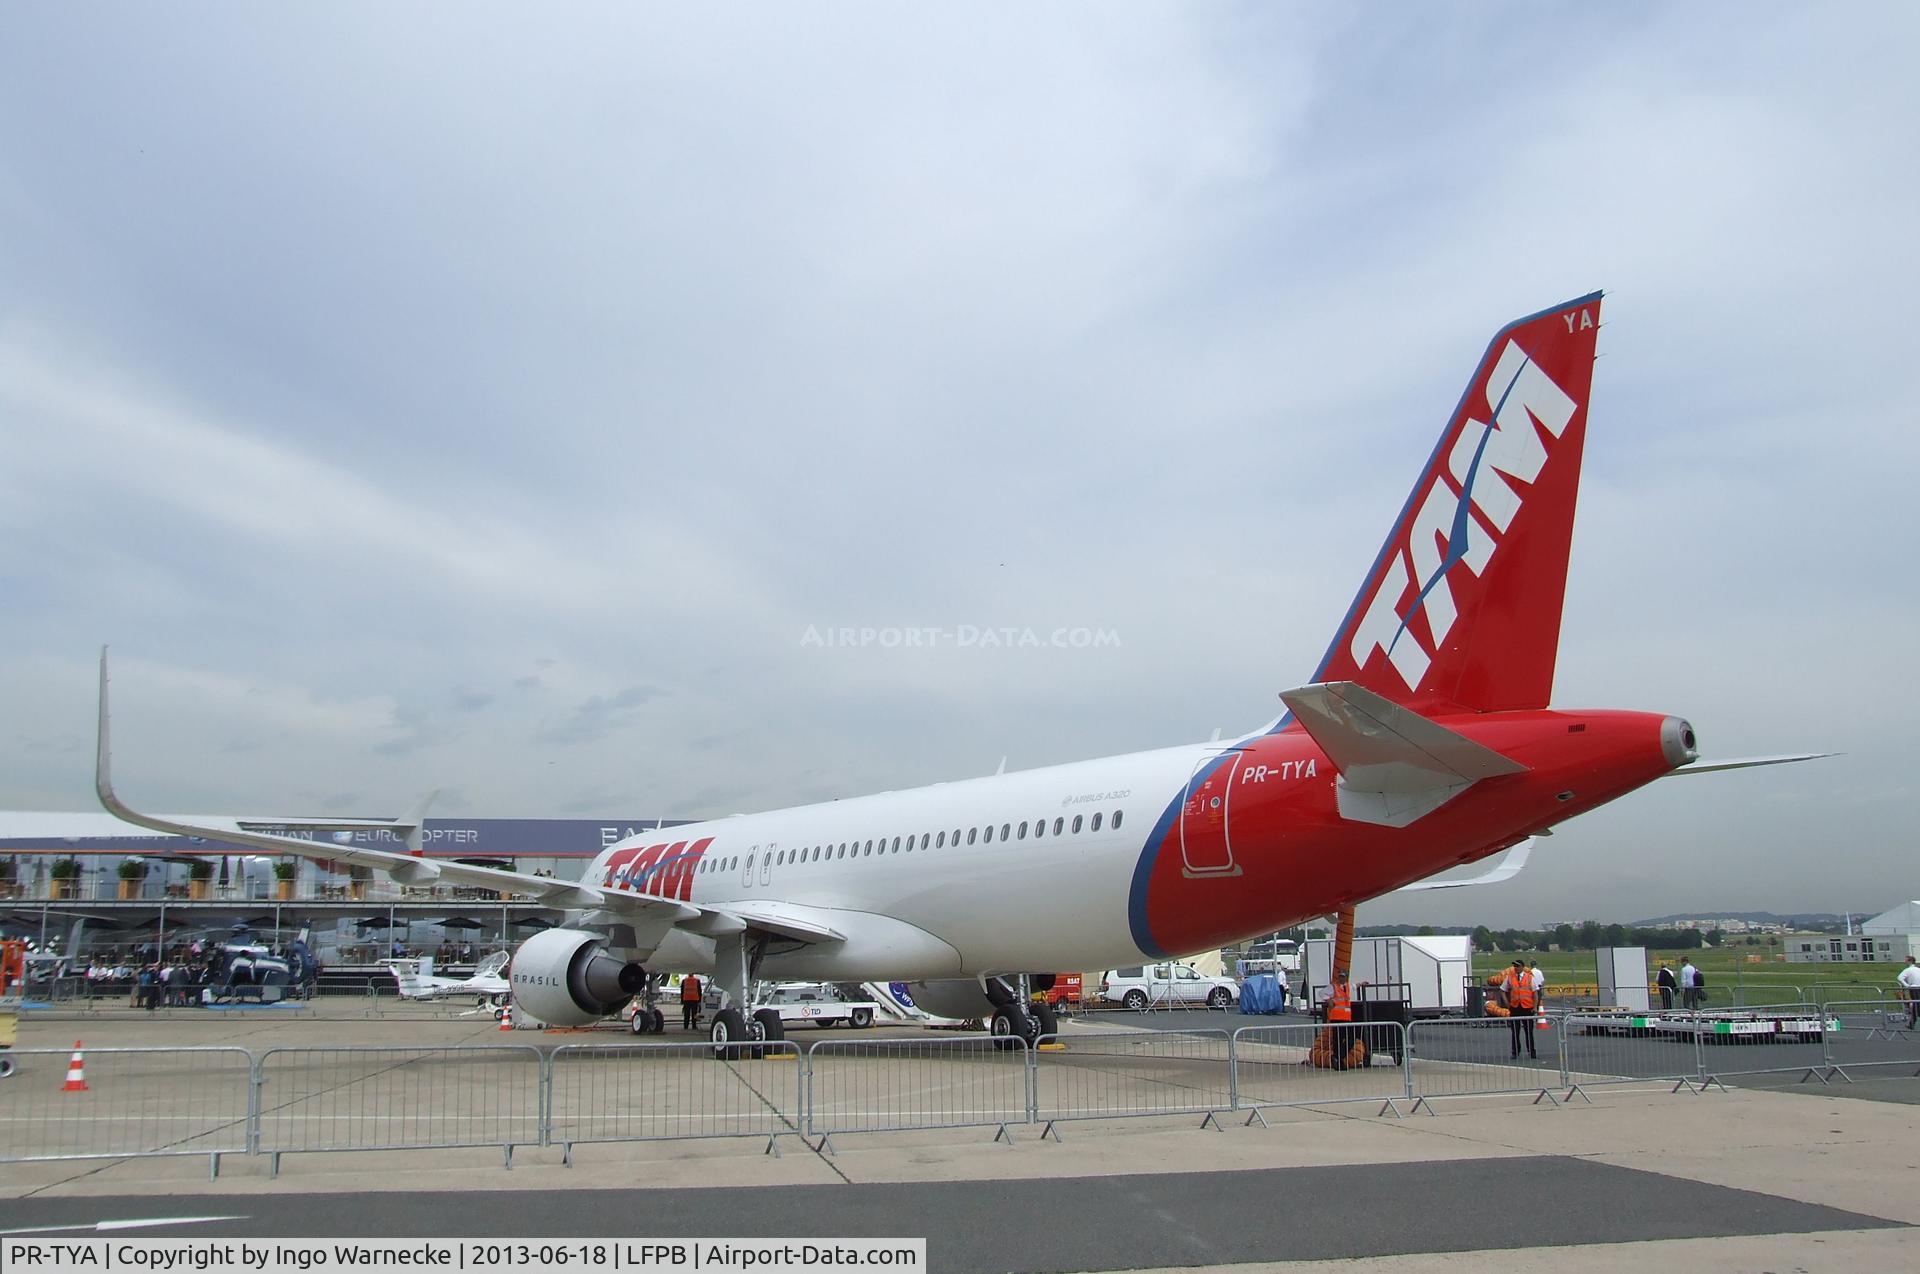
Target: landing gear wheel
point(6, 1067)
point(659, 1021)
point(728, 1033)
point(771, 1027)
point(1219, 998)
point(1045, 1019)
point(1013, 1029)
point(1136, 1000)
point(860, 1019)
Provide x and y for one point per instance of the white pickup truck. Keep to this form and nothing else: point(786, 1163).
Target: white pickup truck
point(1167, 983)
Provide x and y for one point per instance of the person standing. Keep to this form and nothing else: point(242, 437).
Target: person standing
point(689, 1002)
point(1517, 988)
point(1689, 986)
point(1666, 982)
point(1910, 984)
point(1280, 978)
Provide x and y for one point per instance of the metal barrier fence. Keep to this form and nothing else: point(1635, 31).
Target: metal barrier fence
point(1275, 1066)
point(1873, 1033)
point(1124, 1074)
point(959, 1082)
point(652, 1092)
point(1766, 1040)
point(225, 1100)
point(137, 1101)
point(378, 1098)
point(1476, 1057)
point(1620, 1047)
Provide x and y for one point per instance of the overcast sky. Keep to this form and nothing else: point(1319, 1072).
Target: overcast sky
point(502, 400)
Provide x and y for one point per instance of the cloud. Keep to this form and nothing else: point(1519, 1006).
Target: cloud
point(600, 715)
point(355, 420)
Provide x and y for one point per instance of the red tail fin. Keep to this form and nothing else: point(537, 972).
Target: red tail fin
point(1463, 603)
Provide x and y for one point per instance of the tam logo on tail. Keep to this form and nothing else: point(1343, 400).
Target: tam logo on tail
point(1496, 498)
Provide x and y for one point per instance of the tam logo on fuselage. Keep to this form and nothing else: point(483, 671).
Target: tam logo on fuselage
point(1460, 517)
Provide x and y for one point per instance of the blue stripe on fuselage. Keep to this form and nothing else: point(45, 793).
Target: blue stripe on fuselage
point(1137, 919)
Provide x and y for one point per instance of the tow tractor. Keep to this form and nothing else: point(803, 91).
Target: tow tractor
point(820, 1003)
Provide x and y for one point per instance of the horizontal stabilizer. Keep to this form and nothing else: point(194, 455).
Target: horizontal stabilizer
point(1746, 763)
point(1507, 868)
point(1395, 765)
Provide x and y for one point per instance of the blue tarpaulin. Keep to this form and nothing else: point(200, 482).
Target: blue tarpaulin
point(1261, 994)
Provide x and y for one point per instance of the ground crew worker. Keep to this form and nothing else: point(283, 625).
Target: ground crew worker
point(1339, 998)
point(689, 1002)
point(1517, 986)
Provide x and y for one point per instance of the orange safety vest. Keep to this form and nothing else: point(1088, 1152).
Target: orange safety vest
point(1339, 1003)
point(1519, 986)
point(689, 990)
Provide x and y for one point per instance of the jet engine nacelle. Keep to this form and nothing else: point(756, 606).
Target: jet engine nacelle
point(566, 977)
point(959, 998)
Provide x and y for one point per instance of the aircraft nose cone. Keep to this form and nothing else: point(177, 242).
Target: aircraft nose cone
point(1677, 741)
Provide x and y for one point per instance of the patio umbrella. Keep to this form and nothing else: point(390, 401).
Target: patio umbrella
point(460, 922)
point(532, 922)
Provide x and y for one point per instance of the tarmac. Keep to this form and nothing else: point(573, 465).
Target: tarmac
point(1768, 1175)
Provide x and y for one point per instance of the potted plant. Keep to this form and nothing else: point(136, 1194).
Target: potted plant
point(199, 879)
point(64, 872)
point(132, 872)
point(283, 880)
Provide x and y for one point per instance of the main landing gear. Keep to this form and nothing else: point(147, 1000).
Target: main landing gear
point(1018, 1021)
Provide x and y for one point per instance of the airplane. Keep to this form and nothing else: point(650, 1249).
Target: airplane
point(1424, 741)
point(417, 980)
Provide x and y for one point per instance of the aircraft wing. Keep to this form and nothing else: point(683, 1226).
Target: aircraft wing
point(650, 915)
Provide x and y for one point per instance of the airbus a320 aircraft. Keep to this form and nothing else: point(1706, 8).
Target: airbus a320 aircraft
point(1424, 741)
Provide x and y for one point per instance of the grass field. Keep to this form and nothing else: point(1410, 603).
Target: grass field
point(1725, 966)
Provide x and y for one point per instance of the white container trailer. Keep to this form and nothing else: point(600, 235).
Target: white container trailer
point(1431, 972)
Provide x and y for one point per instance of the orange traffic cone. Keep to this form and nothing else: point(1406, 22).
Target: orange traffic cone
point(1543, 1023)
point(76, 1073)
point(506, 1018)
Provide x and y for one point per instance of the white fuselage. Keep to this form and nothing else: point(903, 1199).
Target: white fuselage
point(963, 900)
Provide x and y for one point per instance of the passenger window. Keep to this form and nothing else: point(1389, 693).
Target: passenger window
point(1023, 829)
point(972, 833)
point(989, 836)
point(926, 838)
point(1116, 819)
point(1076, 824)
point(940, 841)
point(1040, 829)
point(1058, 824)
point(956, 838)
point(896, 844)
point(1096, 823)
point(1004, 829)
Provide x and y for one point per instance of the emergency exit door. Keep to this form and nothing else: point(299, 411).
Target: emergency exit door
point(1206, 816)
